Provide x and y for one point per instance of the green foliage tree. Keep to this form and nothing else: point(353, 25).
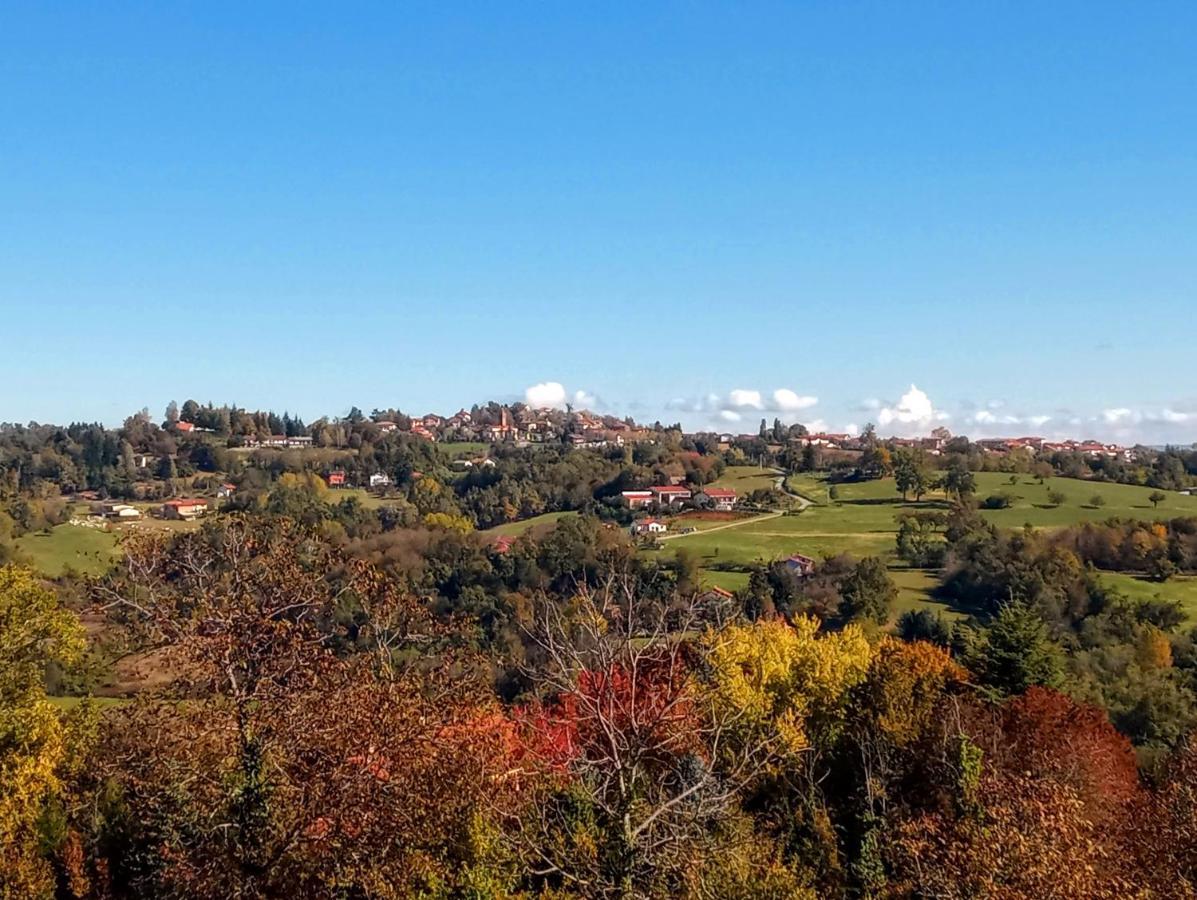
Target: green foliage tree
point(867, 592)
point(1015, 652)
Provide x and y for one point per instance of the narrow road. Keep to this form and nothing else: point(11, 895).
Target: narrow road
point(779, 483)
point(803, 503)
point(735, 524)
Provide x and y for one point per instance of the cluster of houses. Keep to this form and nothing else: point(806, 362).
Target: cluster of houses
point(180, 508)
point(1092, 449)
point(524, 426)
point(934, 445)
point(673, 497)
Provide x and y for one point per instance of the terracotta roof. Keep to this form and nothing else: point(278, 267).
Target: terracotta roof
point(719, 492)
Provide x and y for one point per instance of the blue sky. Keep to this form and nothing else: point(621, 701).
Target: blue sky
point(666, 208)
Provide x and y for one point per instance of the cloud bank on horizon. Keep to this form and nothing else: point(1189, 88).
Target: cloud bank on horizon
point(913, 413)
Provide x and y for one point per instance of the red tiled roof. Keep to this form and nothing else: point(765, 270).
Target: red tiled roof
point(669, 489)
point(719, 492)
point(185, 502)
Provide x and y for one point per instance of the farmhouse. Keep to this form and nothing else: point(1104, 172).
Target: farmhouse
point(718, 498)
point(637, 499)
point(112, 510)
point(649, 526)
point(184, 508)
point(670, 494)
point(380, 480)
point(799, 565)
point(335, 479)
point(225, 491)
point(386, 426)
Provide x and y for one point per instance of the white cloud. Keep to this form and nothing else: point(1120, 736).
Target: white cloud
point(732, 407)
point(552, 394)
point(743, 399)
point(785, 400)
point(818, 426)
point(852, 428)
point(1117, 416)
point(914, 412)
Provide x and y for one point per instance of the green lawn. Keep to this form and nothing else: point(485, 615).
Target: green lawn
point(1121, 500)
point(363, 496)
point(458, 449)
point(914, 592)
point(512, 529)
point(87, 550)
point(812, 487)
point(729, 581)
point(1182, 589)
point(862, 519)
point(746, 479)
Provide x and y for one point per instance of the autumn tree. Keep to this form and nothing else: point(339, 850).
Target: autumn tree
point(640, 766)
point(37, 745)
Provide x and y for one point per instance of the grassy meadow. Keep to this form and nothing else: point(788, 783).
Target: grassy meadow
point(89, 551)
point(514, 529)
point(862, 520)
point(746, 479)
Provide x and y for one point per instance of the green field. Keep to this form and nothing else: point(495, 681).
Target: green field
point(914, 592)
point(746, 479)
point(1182, 589)
point(90, 551)
point(512, 529)
point(862, 519)
point(458, 449)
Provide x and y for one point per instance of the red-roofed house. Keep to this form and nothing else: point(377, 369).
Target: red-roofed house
point(637, 499)
point(336, 479)
point(184, 508)
point(719, 498)
point(185, 427)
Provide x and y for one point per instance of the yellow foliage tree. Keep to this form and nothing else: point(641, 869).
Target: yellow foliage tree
point(34, 740)
point(903, 692)
point(448, 522)
point(788, 680)
point(1152, 649)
